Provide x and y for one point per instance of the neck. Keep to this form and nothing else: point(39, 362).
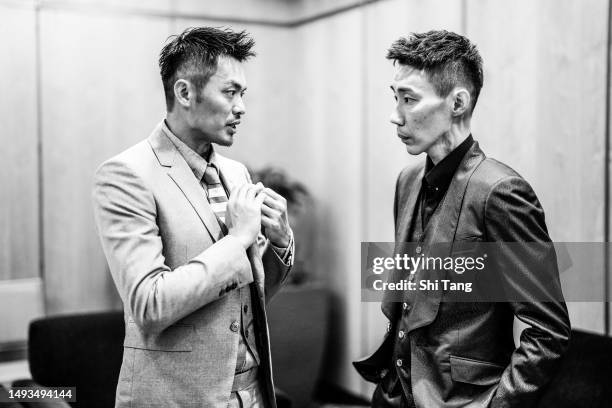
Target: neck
point(181, 129)
point(458, 132)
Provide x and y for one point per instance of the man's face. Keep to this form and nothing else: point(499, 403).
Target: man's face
point(216, 113)
point(421, 116)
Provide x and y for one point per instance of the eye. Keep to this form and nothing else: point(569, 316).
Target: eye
point(242, 93)
point(231, 92)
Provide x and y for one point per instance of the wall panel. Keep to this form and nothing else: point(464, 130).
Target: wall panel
point(100, 94)
point(19, 217)
point(385, 155)
point(608, 306)
point(542, 112)
point(328, 123)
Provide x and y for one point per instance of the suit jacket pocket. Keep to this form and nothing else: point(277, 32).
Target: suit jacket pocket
point(477, 372)
point(178, 337)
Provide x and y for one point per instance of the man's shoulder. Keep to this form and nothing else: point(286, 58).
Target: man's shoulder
point(138, 159)
point(491, 172)
point(134, 156)
point(494, 182)
point(144, 153)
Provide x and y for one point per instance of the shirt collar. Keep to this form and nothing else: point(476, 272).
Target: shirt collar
point(196, 163)
point(440, 175)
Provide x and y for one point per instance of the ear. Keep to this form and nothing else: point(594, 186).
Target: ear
point(183, 93)
point(461, 101)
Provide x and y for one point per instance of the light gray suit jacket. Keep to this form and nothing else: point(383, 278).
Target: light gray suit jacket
point(178, 278)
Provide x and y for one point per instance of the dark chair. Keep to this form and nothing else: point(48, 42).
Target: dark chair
point(82, 351)
point(298, 318)
point(584, 377)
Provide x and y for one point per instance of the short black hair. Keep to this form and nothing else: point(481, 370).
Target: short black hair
point(194, 55)
point(449, 59)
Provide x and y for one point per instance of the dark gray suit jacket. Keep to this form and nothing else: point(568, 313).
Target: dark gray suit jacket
point(463, 354)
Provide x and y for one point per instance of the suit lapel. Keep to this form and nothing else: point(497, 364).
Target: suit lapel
point(441, 229)
point(404, 217)
point(178, 170)
point(181, 174)
point(231, 178)
point(406, 209)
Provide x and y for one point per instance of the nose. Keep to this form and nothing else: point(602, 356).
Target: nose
point(396, 118)
point(238, 109)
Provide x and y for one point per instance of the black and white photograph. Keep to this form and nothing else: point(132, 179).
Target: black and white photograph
point(305, 203)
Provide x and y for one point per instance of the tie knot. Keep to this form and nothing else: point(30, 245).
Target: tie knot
point(211, 175)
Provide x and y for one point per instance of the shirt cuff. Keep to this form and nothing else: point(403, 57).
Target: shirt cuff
point(285, 254)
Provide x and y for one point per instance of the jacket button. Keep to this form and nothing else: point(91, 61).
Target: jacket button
point(234, 326)
point(418, 250)
point(405, 306)
point(401, 334)
point(399, 362)
point(246, 308)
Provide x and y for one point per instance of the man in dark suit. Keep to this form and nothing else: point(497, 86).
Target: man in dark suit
point(443, 353)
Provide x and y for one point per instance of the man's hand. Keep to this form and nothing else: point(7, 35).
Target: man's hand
point(244, 213)
point(274, 217)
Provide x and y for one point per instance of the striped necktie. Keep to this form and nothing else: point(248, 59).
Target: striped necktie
point(216, 193)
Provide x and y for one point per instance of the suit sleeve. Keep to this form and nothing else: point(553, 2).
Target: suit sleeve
point(530, 278)
point(156, 296)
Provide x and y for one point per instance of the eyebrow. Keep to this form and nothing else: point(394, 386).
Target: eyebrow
point(402, 89)
point(236, 85)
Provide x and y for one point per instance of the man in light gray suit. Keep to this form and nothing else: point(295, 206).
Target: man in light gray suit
point(180, 226)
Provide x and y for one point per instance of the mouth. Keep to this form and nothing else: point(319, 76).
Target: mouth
point(404, 138)
point(231, 126)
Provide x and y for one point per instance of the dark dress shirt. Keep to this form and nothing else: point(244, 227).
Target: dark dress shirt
point(438, 177)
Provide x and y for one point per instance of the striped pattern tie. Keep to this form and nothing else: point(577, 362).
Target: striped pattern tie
point(216, 193)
